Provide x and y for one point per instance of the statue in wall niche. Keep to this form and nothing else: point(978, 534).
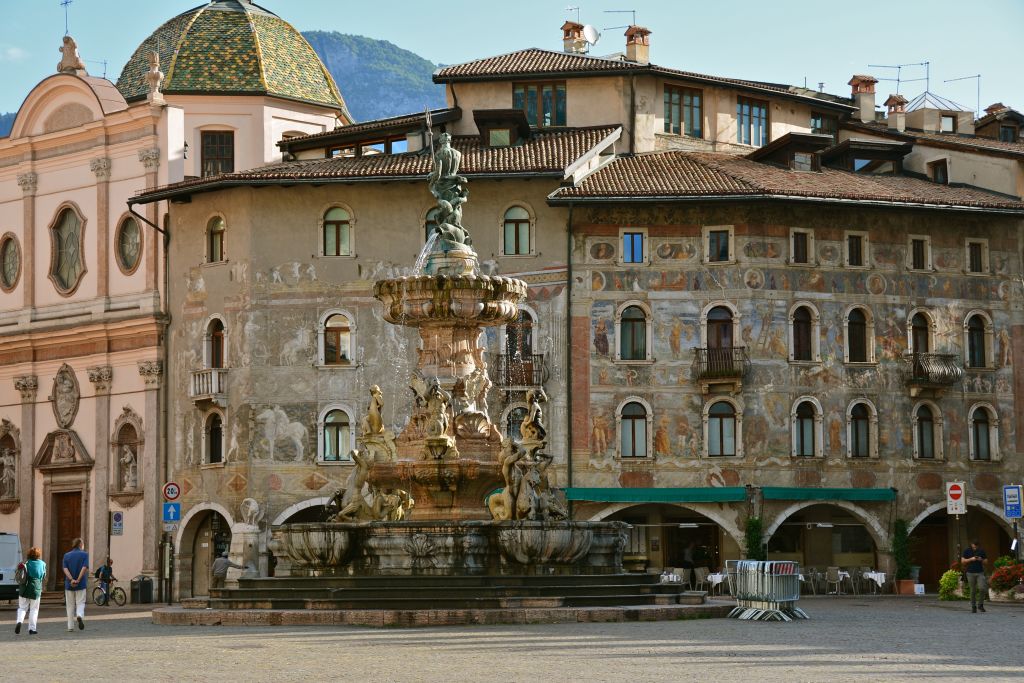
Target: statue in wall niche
point(65, 397)
point(8, 475)
point(70, 61)
point(129, 469)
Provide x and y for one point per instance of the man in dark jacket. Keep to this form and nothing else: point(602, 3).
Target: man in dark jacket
point(974, 559)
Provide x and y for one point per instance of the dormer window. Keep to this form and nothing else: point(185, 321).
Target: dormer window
point(499, 137)
point(802, 162)
point(543, 103)
point(823, 124)
point(939, 172)
point(948, 124)
point(1008, 133)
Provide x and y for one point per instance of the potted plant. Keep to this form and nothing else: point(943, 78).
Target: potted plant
point(1007, 580)
point(755, 539)
point(901, 557)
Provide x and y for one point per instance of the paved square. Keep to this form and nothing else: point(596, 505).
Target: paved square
point(856, 639)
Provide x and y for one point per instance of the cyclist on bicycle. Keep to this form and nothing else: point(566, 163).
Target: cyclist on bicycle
point(106, 576)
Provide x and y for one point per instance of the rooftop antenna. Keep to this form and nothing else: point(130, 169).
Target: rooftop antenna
point(899, 70)
point(621, 11)
point(98, 61)
point(821, 86)
point(964, 78)
point(570, 8)
point(64, 4)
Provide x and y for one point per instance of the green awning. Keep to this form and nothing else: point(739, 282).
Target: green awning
point(706, 494)
point(798, 493)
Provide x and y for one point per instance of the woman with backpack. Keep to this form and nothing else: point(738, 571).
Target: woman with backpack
point(30, 588)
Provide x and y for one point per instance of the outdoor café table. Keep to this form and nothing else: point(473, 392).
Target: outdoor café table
point(716, 580)
point(878, 578)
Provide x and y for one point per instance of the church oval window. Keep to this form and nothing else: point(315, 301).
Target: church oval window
point(66, 265)
point(129, 245)
point(10, 262)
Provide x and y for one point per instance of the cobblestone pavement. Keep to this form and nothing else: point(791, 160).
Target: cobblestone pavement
point(856, 639)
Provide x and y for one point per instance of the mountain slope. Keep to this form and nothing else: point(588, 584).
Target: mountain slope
point(377, 78)
point(6, 121)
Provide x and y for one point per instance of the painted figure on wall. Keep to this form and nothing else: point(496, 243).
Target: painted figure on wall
point(599, 435)
point(601, 338)
point(662, 445)
point(1005, 349)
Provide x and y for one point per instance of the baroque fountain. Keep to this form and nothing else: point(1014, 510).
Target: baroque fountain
point(449, 495)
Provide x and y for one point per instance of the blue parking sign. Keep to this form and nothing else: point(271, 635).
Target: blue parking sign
point(1012, 501)
point(172, 512)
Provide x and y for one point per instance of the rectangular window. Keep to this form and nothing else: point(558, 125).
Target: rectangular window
point(683, 111)
point(975, 257)
point(824, 124)
point(800, 247)
point(543, 103)
point(499, 137)
point(218, 152)
point(948, 124)
point(718, 245)
point(805, 437)
point(633, 247)
point(939, 172)
point(854, 250)
point(1008, 133)
point(802, 161)
point(751, 122)
point(917, 254)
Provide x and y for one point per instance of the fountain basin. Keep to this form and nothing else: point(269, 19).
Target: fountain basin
point(311, 549)
point(453, 548)
point(461, 300)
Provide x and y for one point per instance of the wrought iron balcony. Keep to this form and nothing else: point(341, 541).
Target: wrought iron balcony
point(931, 370)
point(729, 363)
point(209, 384)
point(518, 370)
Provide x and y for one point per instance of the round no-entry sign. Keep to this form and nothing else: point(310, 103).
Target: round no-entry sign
point(171, 491)
point(956, 491)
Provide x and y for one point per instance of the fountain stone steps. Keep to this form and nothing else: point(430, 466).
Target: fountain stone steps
point(242, 594)
point(401, 581)
point(436, 603)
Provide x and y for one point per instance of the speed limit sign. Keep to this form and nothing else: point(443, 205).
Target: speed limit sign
point(171, 491)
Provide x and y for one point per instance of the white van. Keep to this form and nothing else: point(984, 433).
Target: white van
point(10, 558)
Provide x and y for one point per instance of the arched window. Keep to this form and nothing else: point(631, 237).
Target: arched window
point(856, 337)
point(860, 431)
point(516, 238)
point(337, 436)
point(983, 434)
point(802, 334)
point(128, 245)
point(430, 223)
point(976, 355)
point(513, 421)
point(633, 428)
point(721, 429)
point(337, 232)
point(925, 433)
point(215, 344)
point(720, 328)
point(519, 335)
point(337, 340)
point(215, 230)
point(214, 440)
point(920, 336)
point(633, 334)
point(804, 428)
point(67, 264)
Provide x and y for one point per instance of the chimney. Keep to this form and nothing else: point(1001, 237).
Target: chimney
point(995, 108)
point(864, 96)
point(638, 45)
point(572, 37)
point(897, 116)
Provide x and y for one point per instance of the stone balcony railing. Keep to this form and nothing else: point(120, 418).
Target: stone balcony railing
point(931, 371)
point(209, 385)
point(515, 370)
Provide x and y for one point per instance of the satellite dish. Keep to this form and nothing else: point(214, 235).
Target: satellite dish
point(591, 34)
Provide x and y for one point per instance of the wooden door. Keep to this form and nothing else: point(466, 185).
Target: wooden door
point(202, 557)
point(68, 522)
point(929, 549)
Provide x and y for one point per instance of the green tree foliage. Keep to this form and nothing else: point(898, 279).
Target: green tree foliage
point(377, 79)
point(755, 539)
point(901, 549)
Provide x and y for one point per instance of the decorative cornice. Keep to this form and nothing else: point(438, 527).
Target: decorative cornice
point(9, 505)
point(28, 385)
point(100, 376)
point(150, 158)
point(28, 182)
point(152, 372)
point(101, 167)
point(127, 499)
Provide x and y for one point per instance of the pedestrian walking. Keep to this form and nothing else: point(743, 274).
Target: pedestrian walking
point(975, 560)
point(30, 589)
point(220, 569)
point(76, 571)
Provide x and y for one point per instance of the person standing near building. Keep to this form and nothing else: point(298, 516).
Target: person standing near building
point(30, 591)
point(974, 559)
point(76, 570)
point(105, 574)
point(220, 569)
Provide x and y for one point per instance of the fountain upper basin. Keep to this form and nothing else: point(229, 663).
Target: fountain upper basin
point(466, 300)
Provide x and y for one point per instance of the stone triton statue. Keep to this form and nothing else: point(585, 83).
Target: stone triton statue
point(449, 188)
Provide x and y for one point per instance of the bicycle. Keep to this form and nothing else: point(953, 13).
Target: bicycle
point(113, 593)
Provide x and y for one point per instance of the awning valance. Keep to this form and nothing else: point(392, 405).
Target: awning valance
point(798, 493)
point(706, 494)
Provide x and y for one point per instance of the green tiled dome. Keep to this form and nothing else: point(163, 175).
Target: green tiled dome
point(231, 47)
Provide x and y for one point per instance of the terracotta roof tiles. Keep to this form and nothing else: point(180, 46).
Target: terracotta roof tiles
point(976, 143)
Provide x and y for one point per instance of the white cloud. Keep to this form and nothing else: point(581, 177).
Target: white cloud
point(12, 53)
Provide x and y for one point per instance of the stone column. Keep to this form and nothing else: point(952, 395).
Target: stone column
point(101, 167)
point(100, 377)
point(27, 385)
point(149, 464)
point(150, 159)
point(29, 183)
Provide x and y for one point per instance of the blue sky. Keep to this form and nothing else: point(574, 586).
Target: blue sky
point(783, 41)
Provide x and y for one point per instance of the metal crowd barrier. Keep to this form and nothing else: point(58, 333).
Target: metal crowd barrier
point(765, 591)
